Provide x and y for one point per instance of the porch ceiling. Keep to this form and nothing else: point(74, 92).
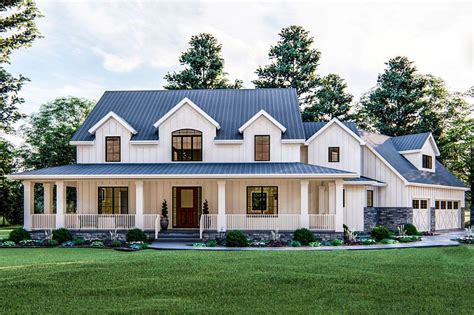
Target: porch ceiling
point(189, 170)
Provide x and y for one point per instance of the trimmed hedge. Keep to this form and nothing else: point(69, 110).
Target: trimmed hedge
point(380, 232)
point(304, 236)
point(410, 229)
point(236, 239)
point(62, 235)
point(19, 234)
point(136, 235)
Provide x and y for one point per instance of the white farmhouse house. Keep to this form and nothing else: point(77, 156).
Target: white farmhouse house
point(250, 155)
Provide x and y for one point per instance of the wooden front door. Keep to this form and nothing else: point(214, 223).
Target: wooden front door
point(187, 207)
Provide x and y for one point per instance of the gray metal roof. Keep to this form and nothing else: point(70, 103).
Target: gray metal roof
point(229, 107)
point(293, 168)
point(384, 145)
point(362, 179)
point(310, 128)
point(410, 142)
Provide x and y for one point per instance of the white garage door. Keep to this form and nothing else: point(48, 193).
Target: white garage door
point(421, 214)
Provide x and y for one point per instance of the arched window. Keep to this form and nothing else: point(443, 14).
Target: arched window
point(187, 145)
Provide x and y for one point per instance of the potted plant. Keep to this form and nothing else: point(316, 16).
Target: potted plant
point(205, 210)
point(164, 216)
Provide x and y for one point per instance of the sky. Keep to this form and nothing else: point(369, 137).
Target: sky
point(93, 46)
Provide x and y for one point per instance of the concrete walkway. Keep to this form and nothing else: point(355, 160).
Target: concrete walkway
point(441, 240)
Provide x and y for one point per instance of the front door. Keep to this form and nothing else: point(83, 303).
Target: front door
point(187, 207)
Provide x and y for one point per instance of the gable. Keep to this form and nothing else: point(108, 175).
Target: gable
point(230, 108)
point(257, 117)
point(117, 118)
point(320, 128)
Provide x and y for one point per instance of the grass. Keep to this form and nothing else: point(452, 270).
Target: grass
point(61, 280)
point(5, 231)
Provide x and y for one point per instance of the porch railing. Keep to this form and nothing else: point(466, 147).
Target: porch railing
point(207, 222)
point(99, 221)
point(43, 221)
point(263, 222)
point(149, 221)
point(323, 222)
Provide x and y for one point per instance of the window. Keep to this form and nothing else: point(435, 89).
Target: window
point(262, 200)
point(455, 205)
point(420, 204)
point(262, 148)
point(187, 145)
point(436, 204)
point(333, 154)
point(113, 200)
point(370, 198)
point(443, 204)
point(427, 161)
point(112, 149)
point(450, 205)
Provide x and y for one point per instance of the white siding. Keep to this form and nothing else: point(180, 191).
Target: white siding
point(87, 194)
point(417, 160)
point(354, 209)
point(335, 136)
point(433, 194)
point(186, 117)
point(392, 195)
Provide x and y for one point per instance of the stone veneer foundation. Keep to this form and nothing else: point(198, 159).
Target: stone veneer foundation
point(390, 217)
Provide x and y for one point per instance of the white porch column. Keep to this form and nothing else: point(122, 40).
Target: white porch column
point(339, 210)
point(139, 204)
point(304, 199)
point(321, 195)
point(60, 203)
point(28, 197)
point(47, 198)
point(221, 218)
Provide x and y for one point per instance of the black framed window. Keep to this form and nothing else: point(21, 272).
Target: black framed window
point(370, 198)
point(455, 205)
point(427, 161)
point(415, 204)
point(262, 200)
point(112, 149)
point(443, 204)
point(424, 204)
point(113, 200)
point(333, 154)
point(436, 204)
point(262, 148)
point(186, 145)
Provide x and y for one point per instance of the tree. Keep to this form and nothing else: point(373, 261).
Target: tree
point(204, 66)
point(10, 191)
point(17, 30)
point(48, 132)
point(393, 107)
point(329, 100)
point(293, 62)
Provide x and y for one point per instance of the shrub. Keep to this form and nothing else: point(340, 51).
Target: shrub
point(380, 232)
point(304, 236)
point(337, 242)
point(68, 244)
point(258, 243)
point(410, 229)
point(468, 224)
point(236, 239)
point(97, 244)
point(51, 243)
point(79, 242)
point(115, 243)
point(211, 243)
point(136, 235)
point(389, 241)
point(295, 243)
point(276, 243)
point(27, 243)
point(8, 244)
point(19, 234)
point(408, 238)
point(199, 245)
point(315, 244)
point(368, 241)
point(62, 235)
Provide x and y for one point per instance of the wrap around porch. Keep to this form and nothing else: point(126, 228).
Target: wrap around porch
point(234, 204)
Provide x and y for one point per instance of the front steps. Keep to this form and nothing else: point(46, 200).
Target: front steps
point(181, 236)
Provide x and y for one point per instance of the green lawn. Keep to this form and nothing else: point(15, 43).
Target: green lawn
point(434, 280)
point(5, 231)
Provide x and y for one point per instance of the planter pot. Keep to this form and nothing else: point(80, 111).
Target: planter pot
point(164, 223)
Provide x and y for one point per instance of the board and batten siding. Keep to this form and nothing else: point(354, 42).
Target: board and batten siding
point(335, 136)
point(354, 209)
point(392, 195)
point(188, 118)
point(433, 194)
point(417, 160)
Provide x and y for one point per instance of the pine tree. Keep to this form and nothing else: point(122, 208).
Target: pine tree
point(204, 66)
point(293, 62)
point(329, 100)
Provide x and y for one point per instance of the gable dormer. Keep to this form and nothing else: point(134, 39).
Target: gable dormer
point(420, 149)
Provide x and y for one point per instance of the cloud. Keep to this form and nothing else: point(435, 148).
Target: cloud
point(116, 63)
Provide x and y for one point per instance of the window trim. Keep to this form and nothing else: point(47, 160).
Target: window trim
point(192, 144)
point(371, 193)
point(330, 160)
point(107, 138)
point(261, 190)
point(427, 160)
point(113, 199)
point(255, 148)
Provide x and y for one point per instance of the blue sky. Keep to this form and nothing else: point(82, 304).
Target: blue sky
point(91, 46)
